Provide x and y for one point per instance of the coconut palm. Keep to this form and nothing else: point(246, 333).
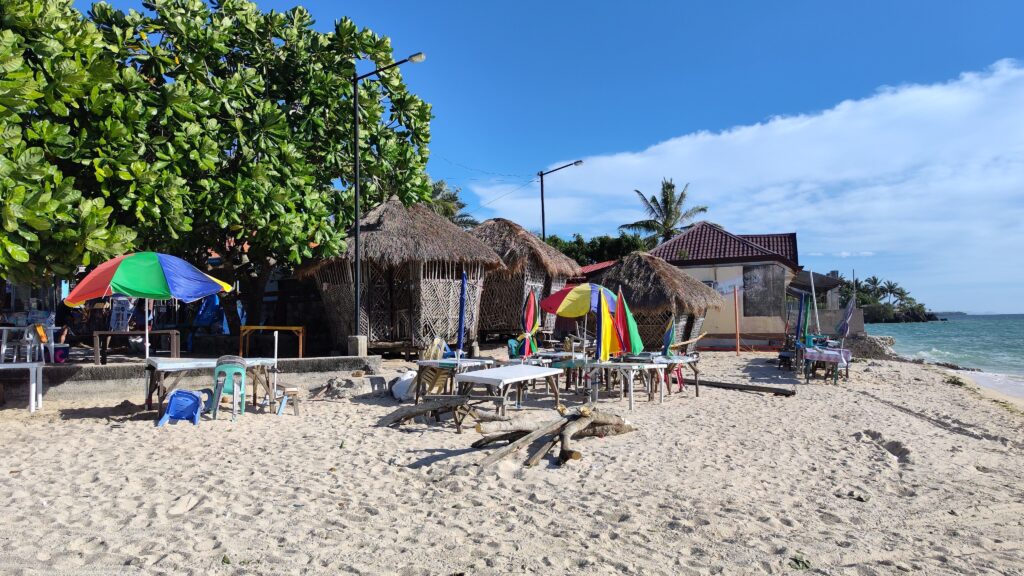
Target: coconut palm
point(874, 285)
point(445, 202)
point(901, 295)
point(665, 214)
point(890, 289)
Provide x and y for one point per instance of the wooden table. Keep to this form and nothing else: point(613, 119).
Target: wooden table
point(35, 382)
point(628, 371)
point(244, 332)
point(504, 377)
point(839, 357)
point(159, 367)
point(449, 365)
point(100, 352)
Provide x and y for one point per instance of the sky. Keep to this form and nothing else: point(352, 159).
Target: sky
point(888, 135)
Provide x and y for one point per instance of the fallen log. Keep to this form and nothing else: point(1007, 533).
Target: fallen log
point(604, 419)
point(545, 447)
point(541, 431)
point(510, 436)
point(488, 416)
point(408, 412)
point(604, 430)
point(749, 388)
point(505, 426)
point(567, 453)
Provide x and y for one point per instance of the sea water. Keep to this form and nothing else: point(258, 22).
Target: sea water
point(993, 343)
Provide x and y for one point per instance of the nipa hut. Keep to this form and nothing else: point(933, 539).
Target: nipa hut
point(657, 291)
point(530, 264)
point(412, 264)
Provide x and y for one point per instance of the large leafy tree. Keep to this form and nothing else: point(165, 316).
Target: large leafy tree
point(69, 147)
point(598, 248)
point(445, 201)
point(253, 112)
point(666, 214)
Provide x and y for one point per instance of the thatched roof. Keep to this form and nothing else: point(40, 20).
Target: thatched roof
point(650, 283)
point(515, 246)
point(393, 234)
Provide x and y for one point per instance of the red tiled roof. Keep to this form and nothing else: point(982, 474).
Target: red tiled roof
point(784, 244)
point(707, 243)
point(590, 269)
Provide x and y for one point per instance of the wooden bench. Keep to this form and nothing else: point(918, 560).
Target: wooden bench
point(100, 351)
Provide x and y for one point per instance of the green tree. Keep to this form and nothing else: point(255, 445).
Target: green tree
point(445, 201)
point(873, 286)
point(252, 111)
point(598, 248)
point(665, 214)
point(64, 143)
point(890, 289)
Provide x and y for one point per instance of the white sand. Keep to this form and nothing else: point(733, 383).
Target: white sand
point(729, 483)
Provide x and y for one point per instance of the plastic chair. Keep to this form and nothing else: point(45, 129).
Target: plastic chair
point(182, 405)
point(513, 348)
point(227, 386)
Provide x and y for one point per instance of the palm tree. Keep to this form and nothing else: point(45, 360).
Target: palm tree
point(901, 295)
point(445, 202)
point(874, 285)
point(890, 288)
point(665, 215)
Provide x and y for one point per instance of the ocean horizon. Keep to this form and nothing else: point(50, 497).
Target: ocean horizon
point(993, 343)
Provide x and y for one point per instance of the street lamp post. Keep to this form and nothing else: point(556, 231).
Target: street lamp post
point(542, 174)
point(415, 59)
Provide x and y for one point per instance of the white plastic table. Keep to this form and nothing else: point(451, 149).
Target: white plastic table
point(160, 367)
point(3, 338)
point(35, 381)
point(628, 371)
point(503, 377)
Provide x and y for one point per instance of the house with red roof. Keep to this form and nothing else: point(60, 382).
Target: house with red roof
point(759, 267)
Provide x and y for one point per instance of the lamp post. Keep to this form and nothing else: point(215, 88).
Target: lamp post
point(415, 59)
point(542, 174)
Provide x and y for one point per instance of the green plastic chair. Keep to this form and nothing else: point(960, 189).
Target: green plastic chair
point(227, 386)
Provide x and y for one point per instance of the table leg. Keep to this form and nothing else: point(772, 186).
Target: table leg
point(149, 391)
point(519, 395)
point(39, 386)
point(660, 375)
point(302, 339)
point(241, 336)
point(418, 383)
point(96, 349)
point(31, 390)
point(630, 384)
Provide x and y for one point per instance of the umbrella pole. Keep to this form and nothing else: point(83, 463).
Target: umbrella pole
point(145, 322)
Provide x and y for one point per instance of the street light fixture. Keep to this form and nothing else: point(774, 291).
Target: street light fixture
point(415, 59)
point(542, 174)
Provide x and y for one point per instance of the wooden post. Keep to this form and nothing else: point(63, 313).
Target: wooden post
point(736, 315)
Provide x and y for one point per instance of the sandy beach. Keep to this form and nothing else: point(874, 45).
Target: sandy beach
point(896, 470)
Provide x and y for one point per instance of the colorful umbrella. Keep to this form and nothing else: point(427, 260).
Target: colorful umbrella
point(576, 301)
point(607, 336)
point(669, 337)
point(531, 324)
point(625, 325)
point(146, 275)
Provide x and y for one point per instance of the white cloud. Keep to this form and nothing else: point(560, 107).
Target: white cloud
point(928, 180)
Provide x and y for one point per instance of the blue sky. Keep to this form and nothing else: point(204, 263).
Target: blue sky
point(888, 135)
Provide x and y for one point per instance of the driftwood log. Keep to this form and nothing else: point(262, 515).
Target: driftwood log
point(409, 412)
point(581, 423)
point(749, 388)
point(488, 416)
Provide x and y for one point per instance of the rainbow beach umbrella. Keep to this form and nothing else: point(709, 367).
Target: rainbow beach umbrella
point(146, 275)
point(576, 301)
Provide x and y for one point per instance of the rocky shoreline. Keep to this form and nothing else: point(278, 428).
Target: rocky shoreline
point(881, 348)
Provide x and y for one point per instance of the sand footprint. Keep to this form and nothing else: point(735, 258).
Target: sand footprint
point(184, 504)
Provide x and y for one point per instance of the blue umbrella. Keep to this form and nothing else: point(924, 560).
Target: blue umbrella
point(462, 313)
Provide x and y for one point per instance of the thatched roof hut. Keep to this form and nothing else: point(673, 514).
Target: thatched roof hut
point(412, 264)
point(530, 264)
point(657, 291)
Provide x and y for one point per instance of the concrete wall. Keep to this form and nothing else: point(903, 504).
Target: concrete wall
point(829, 319)
point(723, 320)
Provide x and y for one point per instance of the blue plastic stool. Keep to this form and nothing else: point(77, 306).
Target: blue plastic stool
point(182, 405)
point(227, 385)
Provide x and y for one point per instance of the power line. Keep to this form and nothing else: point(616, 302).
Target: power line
point(488, 172)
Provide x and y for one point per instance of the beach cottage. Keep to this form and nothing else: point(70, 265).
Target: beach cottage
point(412, 265)
point(657, 292)
point(530, 264)
point(759, 267)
